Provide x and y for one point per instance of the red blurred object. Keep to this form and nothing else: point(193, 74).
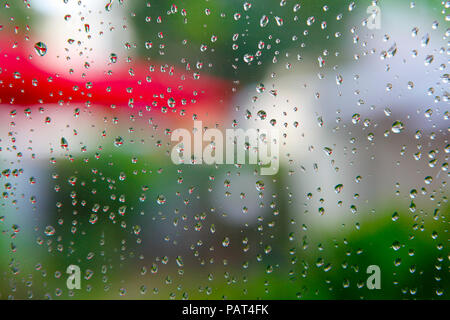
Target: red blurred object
point(135, 86)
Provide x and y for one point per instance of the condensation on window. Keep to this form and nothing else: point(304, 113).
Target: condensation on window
point(224, 149)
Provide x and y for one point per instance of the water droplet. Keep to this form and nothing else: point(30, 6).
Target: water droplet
point(64, 143)
point(248, 58)
point(396, 245)
point(328, 151)
point(338, 188)
point(161, 199)
point(118, 141)
point(260, 88)
point(108, 6)
point(179, 261)
point(310, 20)
point(262, 114)
point(171, 102)
point(226, 242)
point(263, 21)
point(40, 48)
point(425, 40)
point(395, 216)
point(113, 58)
point(279, 21)
point(259, 185)
point(49, 231)
point(429, 59)
point(397, 127)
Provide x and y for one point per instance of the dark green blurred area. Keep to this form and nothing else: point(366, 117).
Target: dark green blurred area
point(228, 19)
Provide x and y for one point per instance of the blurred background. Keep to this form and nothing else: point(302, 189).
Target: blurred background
point(90, 92)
